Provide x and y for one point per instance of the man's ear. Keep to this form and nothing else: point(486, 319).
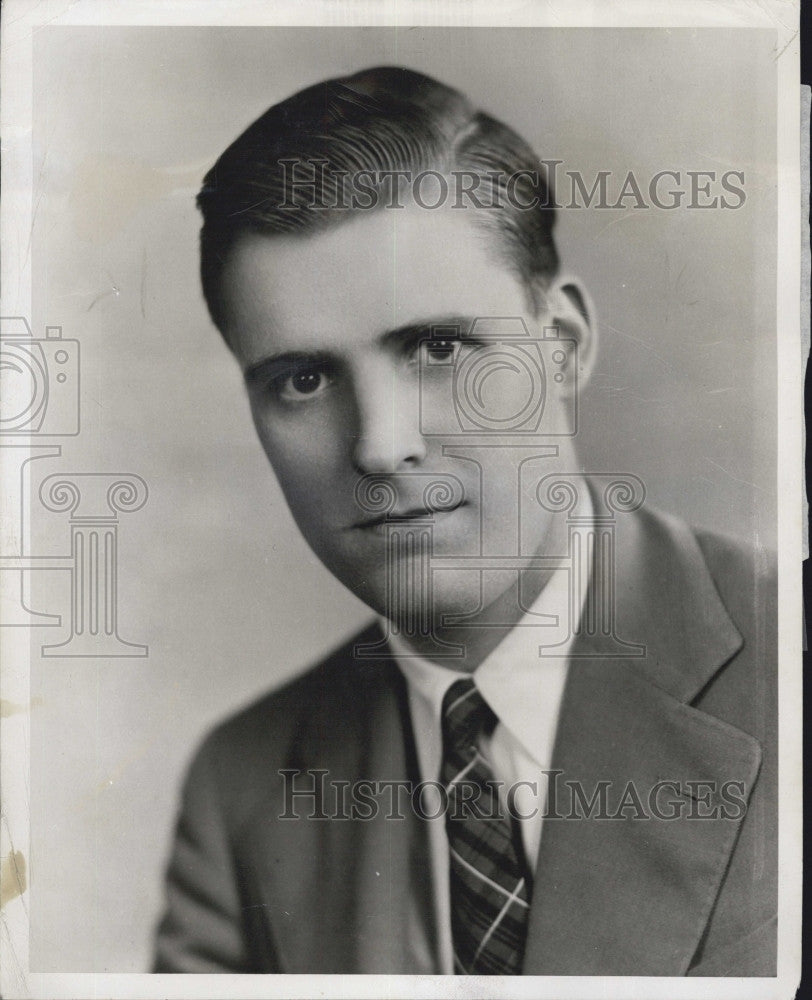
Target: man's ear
point(569, 307)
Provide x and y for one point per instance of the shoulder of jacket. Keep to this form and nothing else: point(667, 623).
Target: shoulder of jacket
point(323, 700)
point(725, 554)
point(279, 710)
point(746, 577)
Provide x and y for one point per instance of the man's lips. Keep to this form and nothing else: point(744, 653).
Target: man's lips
point(408, 514)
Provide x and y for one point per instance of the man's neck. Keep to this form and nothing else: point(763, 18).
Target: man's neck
point(515, 592)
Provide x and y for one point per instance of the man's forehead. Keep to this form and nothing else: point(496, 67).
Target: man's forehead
point(377, 271)
point(377, 242)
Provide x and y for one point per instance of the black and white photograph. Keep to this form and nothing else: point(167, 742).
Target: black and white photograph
point(401, 453)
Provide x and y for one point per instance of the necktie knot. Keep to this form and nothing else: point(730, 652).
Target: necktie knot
point(465, 715)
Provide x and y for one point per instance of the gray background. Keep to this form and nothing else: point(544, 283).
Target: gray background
point(212, 574)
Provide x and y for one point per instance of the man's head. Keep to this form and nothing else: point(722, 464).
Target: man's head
point(329, 310)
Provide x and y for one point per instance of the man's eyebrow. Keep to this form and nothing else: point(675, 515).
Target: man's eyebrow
point(274, 363)
point(437, 326)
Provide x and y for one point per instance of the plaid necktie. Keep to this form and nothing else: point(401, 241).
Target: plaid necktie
point(490, 897)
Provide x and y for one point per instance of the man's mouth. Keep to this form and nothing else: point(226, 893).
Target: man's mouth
point(406, 514)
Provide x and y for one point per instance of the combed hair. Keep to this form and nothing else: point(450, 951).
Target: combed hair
point(378, 120)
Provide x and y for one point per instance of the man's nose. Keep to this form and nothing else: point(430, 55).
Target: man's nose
point(387, 432)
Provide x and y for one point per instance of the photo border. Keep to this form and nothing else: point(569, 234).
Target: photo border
point(21, 20)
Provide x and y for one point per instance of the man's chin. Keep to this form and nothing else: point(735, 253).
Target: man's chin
point(451, 596)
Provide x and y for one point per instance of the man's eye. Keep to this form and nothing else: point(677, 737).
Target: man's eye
point(440, 351)
point(302, 385)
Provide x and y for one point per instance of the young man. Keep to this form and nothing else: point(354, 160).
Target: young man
point(554, 752)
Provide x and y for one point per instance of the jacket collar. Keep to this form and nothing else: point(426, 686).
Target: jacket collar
point(667, 603)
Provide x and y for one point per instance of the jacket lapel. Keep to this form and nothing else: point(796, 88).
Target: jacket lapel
point(632, 895)
point(391, 899)
point(353, 892)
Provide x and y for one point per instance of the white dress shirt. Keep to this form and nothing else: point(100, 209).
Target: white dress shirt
point(524, 690)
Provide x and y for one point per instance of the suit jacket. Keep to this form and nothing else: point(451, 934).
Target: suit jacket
point(248, 891)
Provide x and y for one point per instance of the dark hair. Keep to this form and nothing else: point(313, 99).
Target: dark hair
point(382, 119)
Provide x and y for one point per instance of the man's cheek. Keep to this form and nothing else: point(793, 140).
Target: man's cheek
point(310, 490)
point(286, 452)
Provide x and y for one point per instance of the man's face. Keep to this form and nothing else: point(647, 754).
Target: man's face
point(330, 330)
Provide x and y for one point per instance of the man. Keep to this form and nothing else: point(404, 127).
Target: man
point(554, 753)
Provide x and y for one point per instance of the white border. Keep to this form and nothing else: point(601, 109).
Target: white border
point(21, 19)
